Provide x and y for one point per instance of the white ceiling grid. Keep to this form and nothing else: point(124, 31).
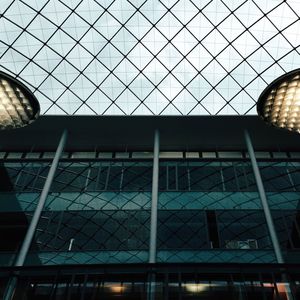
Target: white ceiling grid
point(151, 57)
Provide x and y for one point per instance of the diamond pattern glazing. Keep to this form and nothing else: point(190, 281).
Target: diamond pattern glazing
point(151, 57)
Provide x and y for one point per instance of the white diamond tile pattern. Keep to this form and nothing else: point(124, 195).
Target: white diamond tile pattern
point(148, 57)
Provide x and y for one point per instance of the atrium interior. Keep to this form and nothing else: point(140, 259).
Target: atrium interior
point(148, 174)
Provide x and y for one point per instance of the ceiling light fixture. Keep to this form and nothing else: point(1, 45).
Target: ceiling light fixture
point(18, 106)
point(279, 103)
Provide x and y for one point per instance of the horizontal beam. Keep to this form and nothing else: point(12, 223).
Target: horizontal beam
point(135, 133)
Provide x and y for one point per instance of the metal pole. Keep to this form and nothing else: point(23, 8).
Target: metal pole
point(36, 216)
point(153, 224)
point(264, 200)
point(154, 200)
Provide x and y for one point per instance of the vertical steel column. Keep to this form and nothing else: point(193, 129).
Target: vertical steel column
point(153, 224)
point(267, 213)
point(37, 213)
point(264, 200)
point(154, 200)
point(36, 216)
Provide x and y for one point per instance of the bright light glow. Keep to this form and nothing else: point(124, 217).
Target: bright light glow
point(280, 104)
point(117, 289)
point(16, 109)
point(196, 287)
point(282, 288)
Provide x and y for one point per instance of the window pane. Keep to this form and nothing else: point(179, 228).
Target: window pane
point(182, 230)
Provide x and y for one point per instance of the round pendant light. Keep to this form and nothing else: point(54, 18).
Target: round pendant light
point(18, 106)
point(279, 103)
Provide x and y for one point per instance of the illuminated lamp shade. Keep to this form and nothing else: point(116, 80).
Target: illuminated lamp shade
point(279, 103)
point(18, 106)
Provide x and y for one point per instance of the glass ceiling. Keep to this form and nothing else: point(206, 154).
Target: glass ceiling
point(148, 56)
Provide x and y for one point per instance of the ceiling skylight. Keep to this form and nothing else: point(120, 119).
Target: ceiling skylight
point(148, 57)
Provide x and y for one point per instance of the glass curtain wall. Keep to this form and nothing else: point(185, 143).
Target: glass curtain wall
point(211, 212)
point(282, 185)
point(99, 211)
point(176, 282)
point(96, 212)
point(20, 187)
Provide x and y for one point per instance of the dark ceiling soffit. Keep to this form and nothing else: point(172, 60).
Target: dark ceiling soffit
point(121, 133)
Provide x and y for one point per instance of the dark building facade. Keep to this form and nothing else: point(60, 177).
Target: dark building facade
point(151, 208)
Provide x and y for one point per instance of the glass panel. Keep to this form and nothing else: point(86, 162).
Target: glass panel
point(96, 212)
point(20, 187)
point(93, 230)
point(102, 176)
point(206, 176)
point(281, 181)
point(180, 282)
point(243, 230)
point(277, 176)
point(213, 214)
point(138, 57)
point(181, 230)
